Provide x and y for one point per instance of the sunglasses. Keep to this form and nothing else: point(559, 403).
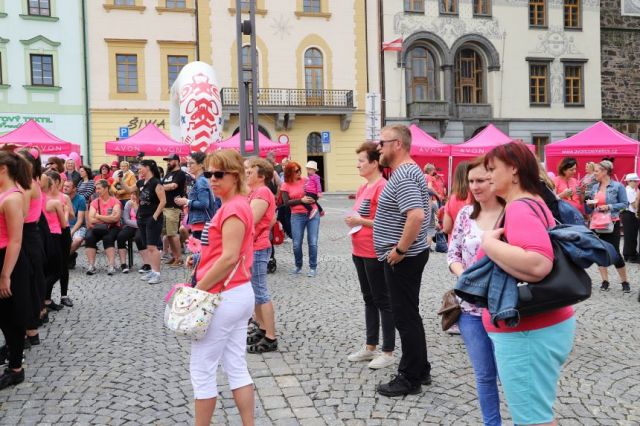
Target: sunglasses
point(218, 175)
point(382, 142)
point(298, 171)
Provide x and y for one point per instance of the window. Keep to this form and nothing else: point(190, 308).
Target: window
point(124, 2)
point(175, 64)
point(469, 77)
point(538, 84)
point(449, 7)
point(573, 84)
point(314, 144)
point(313, 76)
point(39, 8)
point(572, 14)
point(537, 13)
point(41, 70)
point(246, 63)
point(311, 6)
point(539, 141)
point(482, 7)
point(176, 4)
point(127, 71)
point(421, 66)
point(414, 6)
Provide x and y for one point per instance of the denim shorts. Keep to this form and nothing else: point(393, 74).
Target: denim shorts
point(80, 233)
point(259, 275)
point(529, 365)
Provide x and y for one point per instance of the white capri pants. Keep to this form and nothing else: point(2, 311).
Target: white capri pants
point(226, 342)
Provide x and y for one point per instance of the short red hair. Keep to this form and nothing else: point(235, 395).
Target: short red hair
point(517, 155)
point(290, 171)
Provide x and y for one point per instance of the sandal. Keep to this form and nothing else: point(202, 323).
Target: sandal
point(263, 346)
point(255, 337)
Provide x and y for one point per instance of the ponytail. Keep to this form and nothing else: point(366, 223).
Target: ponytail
point(33, 160)
point(17, 167)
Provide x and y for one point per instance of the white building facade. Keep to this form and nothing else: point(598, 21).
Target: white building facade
point(42, 67)
point(530, 67)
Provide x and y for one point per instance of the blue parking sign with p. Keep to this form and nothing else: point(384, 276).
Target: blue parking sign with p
point(326, 137)
point(123, 132)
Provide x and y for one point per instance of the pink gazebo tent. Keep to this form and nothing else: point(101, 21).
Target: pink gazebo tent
point(151, 141)
point(266, 145)
point(592, 144)
point(426, 149)
point(33, 134)
point(480, 144)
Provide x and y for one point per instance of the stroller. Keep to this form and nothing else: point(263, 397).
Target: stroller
point(277, 237)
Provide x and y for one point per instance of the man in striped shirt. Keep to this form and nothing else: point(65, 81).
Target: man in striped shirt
point(400, 241)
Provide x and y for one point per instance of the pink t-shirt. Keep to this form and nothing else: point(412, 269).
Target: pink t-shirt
point(523, 228)
point(295, 191)
point(562, 185)
point(261, 239)
point(52, 217)
point(105, 207)
point(366, 205)
point(212, 243)
point(454, 206)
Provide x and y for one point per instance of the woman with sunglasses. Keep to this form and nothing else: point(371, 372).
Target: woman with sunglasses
point(567, 186)
point(225, 266)
point(293, 195)
point(200, 202)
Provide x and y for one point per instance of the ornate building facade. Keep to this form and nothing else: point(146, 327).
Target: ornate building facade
point(529, 67)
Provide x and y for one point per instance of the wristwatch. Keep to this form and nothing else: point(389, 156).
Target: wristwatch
point(400, 252)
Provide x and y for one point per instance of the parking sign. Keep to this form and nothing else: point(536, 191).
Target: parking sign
point(123, 132)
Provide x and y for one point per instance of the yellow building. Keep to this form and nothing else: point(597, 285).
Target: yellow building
point(312, 78)
point(136, 50)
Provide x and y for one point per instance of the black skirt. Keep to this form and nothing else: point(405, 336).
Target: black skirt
point(16, 310)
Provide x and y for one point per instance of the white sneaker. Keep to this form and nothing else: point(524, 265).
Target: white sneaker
point(363, 354)
point(381, 361)
point(111, 270)
point(155, 278)
point(147, 276)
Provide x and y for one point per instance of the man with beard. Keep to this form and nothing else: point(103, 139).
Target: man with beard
point(174, 186)
point(400, 241)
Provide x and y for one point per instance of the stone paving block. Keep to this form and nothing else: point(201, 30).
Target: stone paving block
point(271, 402)
point(280, 413)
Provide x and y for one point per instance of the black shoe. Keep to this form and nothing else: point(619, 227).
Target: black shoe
point(4, 355)
point(45, 318)
point(34, 340)
point(27, 344)
point(399, 386)
point(53, 306)
point(72, 260)
point(11, 378)
point(427, 380)
point(625, 287)
point(66, 301)
point(604, 286)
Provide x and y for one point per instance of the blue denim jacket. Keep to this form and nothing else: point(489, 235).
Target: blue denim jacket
point(616, 198)
point(202, 205)
point(485, 284)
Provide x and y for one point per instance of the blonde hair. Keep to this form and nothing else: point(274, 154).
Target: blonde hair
point(265, 169)
point(591, 166)
point(228, 160)
point(402, 133)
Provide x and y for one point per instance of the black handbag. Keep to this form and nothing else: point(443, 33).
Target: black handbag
point(566, 284)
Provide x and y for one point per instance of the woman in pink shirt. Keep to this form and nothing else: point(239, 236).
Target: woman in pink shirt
point(263, 206)
point(567, 186)
point(459, 198)
point(377, 305)
point(529, 356)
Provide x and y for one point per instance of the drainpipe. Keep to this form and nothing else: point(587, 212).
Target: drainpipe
point(383, 95)
point(366, 41)
point(86, 82)
point(197, 32)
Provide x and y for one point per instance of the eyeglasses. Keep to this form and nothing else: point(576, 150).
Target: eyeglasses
point(298, 171)
point(382, 142)
point(217, 174)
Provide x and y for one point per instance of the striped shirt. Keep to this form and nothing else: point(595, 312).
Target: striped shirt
point(406, 190)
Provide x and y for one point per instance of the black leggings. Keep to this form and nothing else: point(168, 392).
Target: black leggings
point(54, 263)
point(35, 258)
point(14, 314)
point(614, 239)
point(126, 234)
point(65, 248)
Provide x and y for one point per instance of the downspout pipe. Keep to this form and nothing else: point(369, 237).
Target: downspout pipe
point(383, 94)
point(197, 32)
point(86, 82)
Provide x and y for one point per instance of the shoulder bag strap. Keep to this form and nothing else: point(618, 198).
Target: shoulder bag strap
point(545, 221)
point(233, 272)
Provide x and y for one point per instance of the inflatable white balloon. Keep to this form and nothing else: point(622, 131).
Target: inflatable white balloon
point(195, 112)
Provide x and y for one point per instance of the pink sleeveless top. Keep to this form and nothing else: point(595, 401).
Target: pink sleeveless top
point(35, 207)
point(52, 217)
point(4, 235)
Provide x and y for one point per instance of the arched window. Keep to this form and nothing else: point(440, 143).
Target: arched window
point(313, 76)
point(246, 63)
point(421, 67)
point(314, 144)
point(469, 71)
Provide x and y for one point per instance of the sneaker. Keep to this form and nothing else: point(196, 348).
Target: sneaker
point(604, 286)
point(625, 287)
point(312, 273)
point(399, 386)
point(147, 276)
point(92, 270)
point(111, 270)
point(34, 340)
point(295, 271)
point(427, 380)
point(363, 354)
point(53, 306)
point(454, 329)
point(145, 269)
point(72, 260)
point(66, 301)
point(382, 361)
point(313, 212)
point(155, 278)
point(11, 378)
point(124, 268)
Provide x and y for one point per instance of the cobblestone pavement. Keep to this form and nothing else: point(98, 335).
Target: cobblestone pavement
point(108, 360)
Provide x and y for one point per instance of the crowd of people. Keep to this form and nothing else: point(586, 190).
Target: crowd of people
point(230, 205)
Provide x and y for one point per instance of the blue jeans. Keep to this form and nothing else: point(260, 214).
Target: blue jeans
point(300, 221)
point(480, 350)
point(259, 275)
